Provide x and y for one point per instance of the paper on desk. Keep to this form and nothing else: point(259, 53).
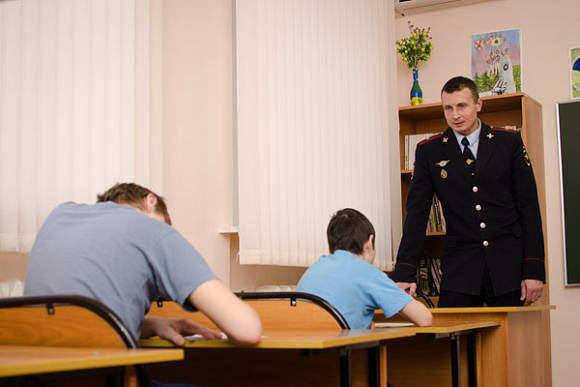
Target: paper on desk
point(392, 324)
point(200, 337)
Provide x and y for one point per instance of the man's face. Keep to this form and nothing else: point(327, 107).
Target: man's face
point(461, 111)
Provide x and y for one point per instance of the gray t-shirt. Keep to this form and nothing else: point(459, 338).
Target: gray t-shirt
point(114, 254)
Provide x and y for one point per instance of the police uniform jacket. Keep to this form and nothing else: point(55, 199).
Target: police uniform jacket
point(491, 217)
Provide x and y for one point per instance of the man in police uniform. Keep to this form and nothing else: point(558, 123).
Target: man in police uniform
point(493, 251)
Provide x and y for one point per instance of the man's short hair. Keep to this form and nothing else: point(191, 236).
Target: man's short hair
point(133, 195)
point(349, 230)
point(460, 83)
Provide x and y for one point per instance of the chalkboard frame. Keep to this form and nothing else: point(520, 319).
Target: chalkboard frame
point(568, 120)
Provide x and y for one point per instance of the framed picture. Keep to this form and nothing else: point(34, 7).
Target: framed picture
point(496, 62)
point(575, 72)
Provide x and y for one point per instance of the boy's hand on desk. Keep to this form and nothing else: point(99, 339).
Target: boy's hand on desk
point(410, 286)
point(173, 329)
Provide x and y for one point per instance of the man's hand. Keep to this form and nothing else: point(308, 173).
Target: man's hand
point(173, 329)
point(412, 286)
point(531, 291)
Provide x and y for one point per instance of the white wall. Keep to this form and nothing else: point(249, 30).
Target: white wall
point(549, 29)
point(197, 124)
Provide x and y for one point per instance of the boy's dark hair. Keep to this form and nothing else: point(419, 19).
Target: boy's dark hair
point(460, 83)
point(349, 230)
point(133, 194)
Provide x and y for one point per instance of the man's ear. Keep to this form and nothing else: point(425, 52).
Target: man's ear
point(150, 202)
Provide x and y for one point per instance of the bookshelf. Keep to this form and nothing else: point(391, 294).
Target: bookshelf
point(517, 110)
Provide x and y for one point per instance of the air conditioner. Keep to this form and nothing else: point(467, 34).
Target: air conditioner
point(405, 6)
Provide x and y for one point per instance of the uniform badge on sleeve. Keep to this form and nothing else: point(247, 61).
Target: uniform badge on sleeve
point(526, 156)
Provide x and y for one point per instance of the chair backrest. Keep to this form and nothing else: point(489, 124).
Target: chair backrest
point(73, 321)
point(277, 310)
point(295, 310)
point(65, 321)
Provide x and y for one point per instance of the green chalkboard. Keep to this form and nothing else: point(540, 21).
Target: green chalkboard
point(569, 129)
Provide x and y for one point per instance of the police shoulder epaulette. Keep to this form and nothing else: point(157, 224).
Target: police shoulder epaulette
point(430, 139)
point(500, 129)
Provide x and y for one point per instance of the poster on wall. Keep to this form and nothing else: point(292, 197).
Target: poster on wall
point(496, 62)
point(575, 72)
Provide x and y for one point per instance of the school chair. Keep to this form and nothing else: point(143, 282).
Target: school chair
point(66, 321)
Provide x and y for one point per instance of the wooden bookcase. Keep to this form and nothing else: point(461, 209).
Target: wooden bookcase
point(519, 110)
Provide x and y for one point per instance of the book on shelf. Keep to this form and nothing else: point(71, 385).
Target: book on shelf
point(436, 221)
point(436, 276)
point(411, 141)
point(428, 275)
point(424, 276)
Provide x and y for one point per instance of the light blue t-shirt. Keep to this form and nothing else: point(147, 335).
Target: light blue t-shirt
point(114, 254)
point(354, 287)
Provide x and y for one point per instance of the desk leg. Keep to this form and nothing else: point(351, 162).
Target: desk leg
point(114, 381)
point(471, 359)
point(374, 366)
point(345, 355)
point(455, 361)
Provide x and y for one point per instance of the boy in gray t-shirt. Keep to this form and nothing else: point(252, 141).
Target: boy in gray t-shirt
point(123, 252)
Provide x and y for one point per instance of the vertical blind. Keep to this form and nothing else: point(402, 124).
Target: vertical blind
point(67, 107)
point(312, 124)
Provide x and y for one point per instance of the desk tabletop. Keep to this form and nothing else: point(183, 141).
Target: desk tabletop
point(486, 309)
point(451, 327)
point(494, 309)
point(26, 360)
point(297, 339)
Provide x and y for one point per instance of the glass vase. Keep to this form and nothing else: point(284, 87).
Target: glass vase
point(416, 92)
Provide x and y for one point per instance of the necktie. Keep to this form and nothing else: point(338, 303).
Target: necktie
point(469, 158)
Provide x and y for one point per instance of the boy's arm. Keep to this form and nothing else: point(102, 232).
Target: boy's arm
point(240, 322)
point(174, 329)
point(417, 313)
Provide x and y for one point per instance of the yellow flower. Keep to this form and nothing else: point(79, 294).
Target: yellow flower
point(416, 48)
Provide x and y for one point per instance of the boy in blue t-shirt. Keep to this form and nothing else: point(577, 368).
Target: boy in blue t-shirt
point(347, 279)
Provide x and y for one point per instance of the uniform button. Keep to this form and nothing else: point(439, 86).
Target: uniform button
point(475, 189)
point(482, 225)
point(485, 243)
point(478, 207)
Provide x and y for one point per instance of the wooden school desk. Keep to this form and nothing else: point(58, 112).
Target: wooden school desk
point(284, 357)
point(30, 365)
point(454, 331)
point(511, 354)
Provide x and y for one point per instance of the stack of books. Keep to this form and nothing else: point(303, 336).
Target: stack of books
point(436, 221)
point(411, 141)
